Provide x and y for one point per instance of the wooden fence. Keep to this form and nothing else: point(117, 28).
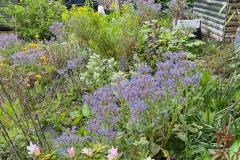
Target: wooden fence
point(213, 22)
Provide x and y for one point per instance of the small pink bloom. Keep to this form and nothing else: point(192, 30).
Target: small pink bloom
point(37, 151)
point(33, 149)
point(112, 154)
point(88, 152)
point(71, 152)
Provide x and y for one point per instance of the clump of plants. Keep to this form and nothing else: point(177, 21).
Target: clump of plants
point(112, 35)
point(32, 18)
point(156, 39)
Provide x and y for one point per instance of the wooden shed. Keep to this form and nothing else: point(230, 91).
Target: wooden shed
point(214, 24)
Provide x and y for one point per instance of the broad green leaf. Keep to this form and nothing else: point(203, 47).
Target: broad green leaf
point(235, 148)
point(182, 136)
point(206, 77)
point(8, 108)
point(77, 120)
point(85, 110)
point(74, 114)
point(208, 117)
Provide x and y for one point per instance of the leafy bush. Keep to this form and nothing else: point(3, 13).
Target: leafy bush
point(136, 110)
point(216, 56)
point(99, 72)
point(32, 18)
point(112, 35)
point(155, 39)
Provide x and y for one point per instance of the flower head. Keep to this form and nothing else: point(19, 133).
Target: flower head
point(33, 149)
point(7, 40)
point(71, 64)
point(88, 152)
point(71, 152)
point(112, 154)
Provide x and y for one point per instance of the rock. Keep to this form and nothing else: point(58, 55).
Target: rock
point(194, 24)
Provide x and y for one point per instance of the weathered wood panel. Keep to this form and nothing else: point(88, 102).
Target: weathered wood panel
point(213, 23)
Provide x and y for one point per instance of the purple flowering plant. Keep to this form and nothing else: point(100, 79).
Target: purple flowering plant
point(7, 40)
point(56, 29)
point(32, 56)
point(146, 100)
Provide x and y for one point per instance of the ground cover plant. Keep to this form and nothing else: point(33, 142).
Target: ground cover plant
point(127, 85)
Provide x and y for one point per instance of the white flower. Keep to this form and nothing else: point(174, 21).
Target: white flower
point(101, 9)
point(33, 149)
point(88, 152)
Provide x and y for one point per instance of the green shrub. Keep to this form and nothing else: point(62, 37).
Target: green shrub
point(112, 35)
point(155, 39)
point(32, 18)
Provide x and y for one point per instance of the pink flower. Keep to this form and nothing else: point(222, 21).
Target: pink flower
point(71, 152)
point(33, 149)
point(112, 154)
point(88, 152)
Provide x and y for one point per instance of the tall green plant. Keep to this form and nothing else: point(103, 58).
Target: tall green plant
point(112, 35)
point(32, 18)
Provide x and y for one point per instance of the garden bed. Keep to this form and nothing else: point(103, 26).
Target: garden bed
point(80, 84)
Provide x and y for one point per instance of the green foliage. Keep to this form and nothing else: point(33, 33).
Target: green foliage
point(235, 65)
point(32, 18)
point(216, 56)
point(99, 72)
point(156, 39)
point(112, 35)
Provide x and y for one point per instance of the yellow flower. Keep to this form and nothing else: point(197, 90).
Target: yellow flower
point(38, 76)
point(44, 60)
point(37, 36)
point(33, 45)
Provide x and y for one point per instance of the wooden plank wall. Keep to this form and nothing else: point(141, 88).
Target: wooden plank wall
point(213, 23)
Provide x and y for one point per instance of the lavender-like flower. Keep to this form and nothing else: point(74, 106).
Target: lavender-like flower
point(67, 140)
point(7, 40)
point(56, 29)
point(31, 56)
point(71, 64)
point(133, 96)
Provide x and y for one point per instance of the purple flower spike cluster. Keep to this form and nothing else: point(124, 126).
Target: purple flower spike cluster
point(71, 65)
point(104, 105)
point(132, 96)
point(56, 29)
point(67, 140)
point(7, 40)
point(32, 56)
